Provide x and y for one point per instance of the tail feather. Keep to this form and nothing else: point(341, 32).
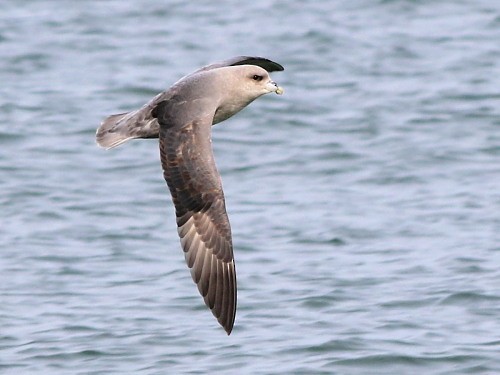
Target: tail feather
point(119, 128)
point(110, 134)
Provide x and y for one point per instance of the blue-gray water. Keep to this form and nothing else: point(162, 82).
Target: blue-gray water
point(364, 202)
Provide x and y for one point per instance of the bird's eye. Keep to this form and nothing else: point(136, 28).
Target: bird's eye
point(256, 77)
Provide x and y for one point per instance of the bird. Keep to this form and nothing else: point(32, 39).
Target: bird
point(182, 118)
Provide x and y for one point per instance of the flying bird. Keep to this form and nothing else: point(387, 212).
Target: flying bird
point(182, 118)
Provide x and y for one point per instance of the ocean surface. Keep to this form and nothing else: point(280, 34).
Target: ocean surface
point(364, 202)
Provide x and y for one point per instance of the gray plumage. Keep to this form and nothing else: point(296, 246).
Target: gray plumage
point(182, 118)
point(119, 128)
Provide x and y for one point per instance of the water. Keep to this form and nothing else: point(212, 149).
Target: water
point(364, 202)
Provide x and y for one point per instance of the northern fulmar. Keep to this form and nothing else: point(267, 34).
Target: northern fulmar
point(182, 117)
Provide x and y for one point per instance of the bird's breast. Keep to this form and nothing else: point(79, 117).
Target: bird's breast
point(228, 109)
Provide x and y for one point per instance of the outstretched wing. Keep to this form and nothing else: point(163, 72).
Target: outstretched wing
point(203, 226)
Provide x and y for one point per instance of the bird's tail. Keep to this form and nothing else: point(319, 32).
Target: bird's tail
point(110, 134)
point(119, 128)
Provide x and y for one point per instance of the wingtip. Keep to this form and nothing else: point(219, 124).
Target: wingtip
point(228, 326)
point(228, 323)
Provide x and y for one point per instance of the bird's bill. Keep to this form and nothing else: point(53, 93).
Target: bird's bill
point(273, 87)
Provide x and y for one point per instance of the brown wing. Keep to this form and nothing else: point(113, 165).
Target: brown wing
point(203, 226)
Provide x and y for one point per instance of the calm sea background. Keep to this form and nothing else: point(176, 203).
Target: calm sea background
point(364, 202)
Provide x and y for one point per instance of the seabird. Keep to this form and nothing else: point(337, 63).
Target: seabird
point(182, 117)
